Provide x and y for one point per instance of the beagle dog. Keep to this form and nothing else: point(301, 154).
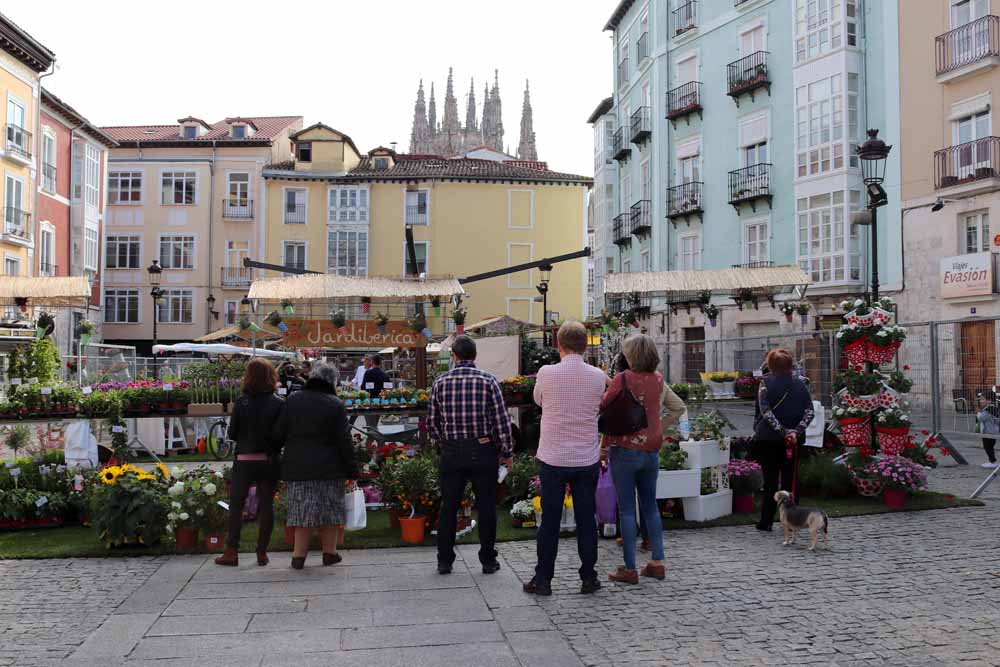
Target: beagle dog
point(795, 518)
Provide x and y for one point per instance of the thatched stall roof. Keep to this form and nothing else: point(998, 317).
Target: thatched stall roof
point(230, 332)
point(675, 285)
point(344, 289)
point(45, 290)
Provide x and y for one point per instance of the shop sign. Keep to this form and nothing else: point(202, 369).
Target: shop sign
point(967, 275)
point(355, 333)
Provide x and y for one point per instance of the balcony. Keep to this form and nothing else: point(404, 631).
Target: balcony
point(748, 74)
point(17, 226)
point(621, 230)
point(641, 125)
point(685, 18)
point(684, 200)
point(623, 74)
point(18, 145)
point(642, 48)
point(48, 177)
point(239, 209)
point(416, 214)
point(683, 101)
point(763, 264)
point(46, 269)
point(295, 214)
point(750, 185)
point(967, 163)
point(621, 149)
point(236, 276)
point(968, 49)
point(641, 218)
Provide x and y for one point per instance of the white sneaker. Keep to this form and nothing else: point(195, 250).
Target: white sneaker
point(988, 465)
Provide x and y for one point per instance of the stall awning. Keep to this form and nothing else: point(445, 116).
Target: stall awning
point(45, 290)
point(226, 333)
point(679, 284)
point(344, 289)
point(220, 348)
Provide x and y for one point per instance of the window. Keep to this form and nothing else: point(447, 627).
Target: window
point(295, 207)
point(818, 27)
point(177, 252)
point(966, 11)
point(755, 241)
point(46, 250)
point(687, 69)
point(690, 252)
point(609, 140)
point(239, 188)
point(347, 204)
point(176, 306)
point(627, 264)
point(645, 181)
point(977, 232)
point(826, 252)
point(91, 248)
point(14, 218)
point(236, 252)
point(11, 266)
point(755, 154)
point(609, 264)
point(18, 141)
point(48, 162)
point(381, 163)
point(420, 249)
point(239, 131)
point(92, 184)
point(853, 116)
point(626, 191)
point(231, 310)
point(416, 207)
point(178, 187)
point(294, 254)
point(190, 131)
point(820, 126)
point(752, 41)
point(689, 169)
point(347, 252)
point(121, 306)
point(851, 13)
point(125, 187)
point(122, 251)
point(644, 261)
point(304, 151)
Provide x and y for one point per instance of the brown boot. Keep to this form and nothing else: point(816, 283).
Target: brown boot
point(654, 571)
point(230, 558)
point(624, 576)
point(262, 558)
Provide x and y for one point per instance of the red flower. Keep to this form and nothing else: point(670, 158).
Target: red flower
point(906, 367)
point(930, 457)
point(925, 432)
point(949, 497)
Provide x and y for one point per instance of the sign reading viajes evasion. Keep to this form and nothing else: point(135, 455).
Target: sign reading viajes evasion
point(354, 333)
point(967, 275)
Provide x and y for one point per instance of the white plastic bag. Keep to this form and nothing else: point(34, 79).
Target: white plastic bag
point(814, 432)
point(356, 517)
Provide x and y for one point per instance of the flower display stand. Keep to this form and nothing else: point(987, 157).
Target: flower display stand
point(722, 389)
point(686, 484)
point(678, 483)
point(705, 454)
point(706, 508)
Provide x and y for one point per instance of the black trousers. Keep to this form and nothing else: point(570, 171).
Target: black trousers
point(245, 475)
point(989, 446)
point(464, 461)
point(778, 471)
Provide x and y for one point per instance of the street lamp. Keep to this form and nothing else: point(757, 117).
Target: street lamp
point(543, 288)
point(874, 154)
point(155, 273)
point(210, 300)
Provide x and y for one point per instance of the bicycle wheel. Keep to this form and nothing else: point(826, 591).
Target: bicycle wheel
point(218, 442)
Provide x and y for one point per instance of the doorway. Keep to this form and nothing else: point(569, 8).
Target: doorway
point(978, 358)
point(694, 354)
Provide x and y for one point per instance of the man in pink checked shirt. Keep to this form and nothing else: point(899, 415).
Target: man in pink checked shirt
point(569, 394)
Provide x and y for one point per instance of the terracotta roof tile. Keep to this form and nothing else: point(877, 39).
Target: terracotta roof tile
point(425, 166)
point(268, 127)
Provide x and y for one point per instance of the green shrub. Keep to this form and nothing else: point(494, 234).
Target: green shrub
point(820, 474)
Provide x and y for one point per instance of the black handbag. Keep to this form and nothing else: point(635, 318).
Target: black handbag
point(624, 415)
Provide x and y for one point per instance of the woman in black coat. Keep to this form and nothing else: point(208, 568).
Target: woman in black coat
point(254, 416)
point(317, 461)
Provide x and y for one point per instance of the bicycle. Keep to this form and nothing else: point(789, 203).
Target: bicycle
point(219, 443)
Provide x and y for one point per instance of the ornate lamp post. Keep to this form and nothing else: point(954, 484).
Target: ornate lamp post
point(874, 154)
point(543, 288)
point(155, 271)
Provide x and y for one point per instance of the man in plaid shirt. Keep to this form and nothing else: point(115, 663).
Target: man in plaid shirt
point(469, 420)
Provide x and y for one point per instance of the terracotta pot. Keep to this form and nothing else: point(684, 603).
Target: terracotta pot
point(215, 542)
point(412, 530)
point(394, 518)
point(895, 498)
point(743, 504)
point(516, 523)
point(186, 538)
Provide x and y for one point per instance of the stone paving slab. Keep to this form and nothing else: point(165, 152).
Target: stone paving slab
point(201, 625)
point(422, 635)
point(353, 618)
point(479, 654)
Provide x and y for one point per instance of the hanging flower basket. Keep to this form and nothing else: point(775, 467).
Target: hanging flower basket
point(862, 320)
point(892, 441)
point(856, 431)
point(880, 317)
point(856, 353)
point(788, 316)
point(865, 402)
point(889, 398)
point(881, 354)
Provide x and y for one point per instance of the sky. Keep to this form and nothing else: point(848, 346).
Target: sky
point(352, 65)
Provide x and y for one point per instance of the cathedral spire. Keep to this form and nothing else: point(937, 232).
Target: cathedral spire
point(450, 124)
point(526, 149)
point(419, 135)
point(432, 119)
point(471, 124)
point(496, 113)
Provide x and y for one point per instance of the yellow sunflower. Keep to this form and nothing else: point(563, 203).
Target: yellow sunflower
point(144, 476)
point(163, 470)
point(111, 474)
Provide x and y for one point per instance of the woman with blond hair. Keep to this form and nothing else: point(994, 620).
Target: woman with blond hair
point(635, 457)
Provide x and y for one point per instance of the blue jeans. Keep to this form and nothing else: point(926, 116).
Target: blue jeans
point(633, 470)
point(583, 487)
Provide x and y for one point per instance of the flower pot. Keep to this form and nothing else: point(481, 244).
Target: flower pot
point(895, 498)
point(788, 317)
point(866, 402)
point(215, 542)
point(678, 483)
point(881, 317)
point(855, 431)
point(290, 535)
point(412, 529)
point(186, 538)
point(892, 441)
point(743, 504)
point(718, 389)
point(889, 398)
point(704, 454)
point(868, 487)
point(861, 320)
point(856, 353)
point(394, 518)
point(879, 355)
point(712, 321)
point(711, 506)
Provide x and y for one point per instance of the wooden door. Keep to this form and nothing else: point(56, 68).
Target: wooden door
point(978, 358)
point(694, 354)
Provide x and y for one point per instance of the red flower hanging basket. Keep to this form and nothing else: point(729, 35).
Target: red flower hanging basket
point(861, 320)
point(856, 353)
point(856, 431)
point(892, 441)
point(865, 402)
point(881, 317)
point(882, 355)
point(889, 398)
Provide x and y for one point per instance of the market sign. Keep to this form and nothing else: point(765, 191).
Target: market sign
point(967, 275)
point(355, 333)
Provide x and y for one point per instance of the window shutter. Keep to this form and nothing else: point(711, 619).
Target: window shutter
point(753, 130)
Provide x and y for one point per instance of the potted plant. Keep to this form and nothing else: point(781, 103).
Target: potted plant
point(853, 338)
point(45, 325)
point(275, 320)
point(84, 330)
point(458, 317)
point(882, 311)
point(414, 481)
point(883, 343)
point(711, 503)
point(858, 312)
point(366, 304)
point(381, 322)
point(746, 386)
point(675, 480)
point(436, 306)
point(722, 383)
point(339, 319)
point(129, 506)
point(744, 479)
point(899, 477)
point(892, 426)
point(706, 447)
point(788, 309)
point(287, 307)
point(522, 514)
point(803, 310)
point(857, 389)
point(746, 299)
point(855, 426)
point(712, 314)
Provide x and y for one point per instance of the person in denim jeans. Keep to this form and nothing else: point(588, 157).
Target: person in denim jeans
point(569, 394)
point(635, 458)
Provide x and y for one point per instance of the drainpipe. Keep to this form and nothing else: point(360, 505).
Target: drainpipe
point(211, 238)
point(69, 269)
point(33, 271)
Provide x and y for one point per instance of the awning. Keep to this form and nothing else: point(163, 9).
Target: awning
point(344, 289)
point(45, 290)
point(234, 332)
point(678, 284)
point(498, 323)
point(221, 348)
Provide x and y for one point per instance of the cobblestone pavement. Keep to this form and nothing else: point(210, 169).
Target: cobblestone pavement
point(918, 588)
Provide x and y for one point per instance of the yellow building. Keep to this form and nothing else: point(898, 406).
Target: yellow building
point(22, 60)
point(334, 210)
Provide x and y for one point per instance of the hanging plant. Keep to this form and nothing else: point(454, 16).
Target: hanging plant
point(746, 299)
point(712, 313)
point(788, 309)
point(366, 304)
point(45, 325)
point(436, 306)
point(274, 319)
point(418, 322)
point(84, 330)
point(705, 298)
point(630, 317)
point(287, 306)
point(381, 321)
point(339, 319)
point(458, 317)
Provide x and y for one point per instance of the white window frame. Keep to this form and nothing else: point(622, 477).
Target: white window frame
point(531, 305)
point(348, 205)
point(175, 175)
point(696, 256)
point(173, 238)
point(683, 59)
point(510, 208)
point(427, 207)
point(813, 260)
point(804, 30)
point(115, 180)
point(512, 282)
point(25, 126)
point(91, 247)
point(121, 293)
point(13, 178)
point(92, 175)
point(49, 140)
point(820, 124)
point(427, 256)
point(976, 218)
point(242, 127)
point(46, 229)
point(759, 24)
point(295, 243)
point(165, 308)
point(119, 239)
point(284, 205)
point(229, 186)
point(645, 260)
point(764, 240)
point(360, 267)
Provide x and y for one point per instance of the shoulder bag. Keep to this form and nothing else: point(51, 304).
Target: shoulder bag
point(624, 415)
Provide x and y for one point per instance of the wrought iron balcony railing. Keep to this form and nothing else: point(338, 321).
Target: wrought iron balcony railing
point(416, 214)
point(641, 124)
point(620, 146)
point(685, 18)
point(747, 75)
point(684, 200)
point(641, 217)
point(972, 161)
point(763, 264)
point(621, 229)
point(967, 44)
point(17, 224)
point(750, 184)
point(238, 208)
point(46, 269)
point(684, 100)
point(18, 141)
point(236, 276)
point(295, 214)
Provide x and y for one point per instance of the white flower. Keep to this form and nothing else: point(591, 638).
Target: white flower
point(177, 489)
point(170, 528)
point(176, 505)
point(184, 516)
point(858, 303)
point(199, 512)
point(883, 333)
point(171, 517)
point(218, 473)
point(210, 489)
point(176, 471)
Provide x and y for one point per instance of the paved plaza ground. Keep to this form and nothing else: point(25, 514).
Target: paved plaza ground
point(920, 588)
